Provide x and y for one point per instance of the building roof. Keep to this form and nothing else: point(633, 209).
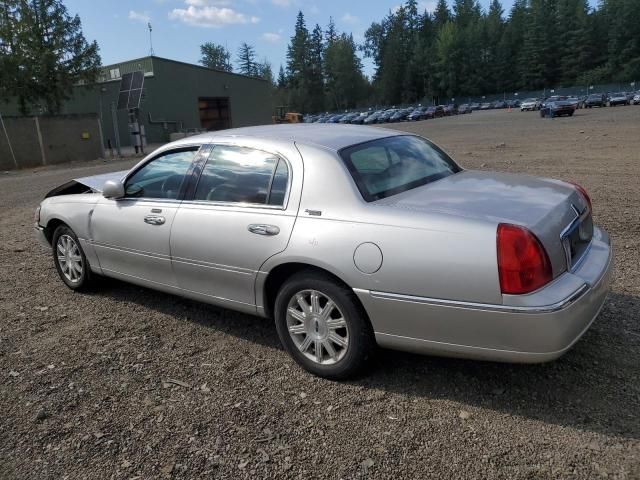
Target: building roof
point(330, 136)
point(115, 71)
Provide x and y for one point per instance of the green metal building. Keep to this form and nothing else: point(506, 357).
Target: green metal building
point(176, 97)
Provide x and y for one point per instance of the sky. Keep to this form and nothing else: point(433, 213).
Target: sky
point(181, 26)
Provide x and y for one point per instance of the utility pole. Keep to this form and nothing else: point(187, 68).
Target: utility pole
point(151, 52)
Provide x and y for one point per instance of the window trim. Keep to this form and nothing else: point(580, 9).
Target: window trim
point(364, 192)
point(183, 148)
point(285, 204)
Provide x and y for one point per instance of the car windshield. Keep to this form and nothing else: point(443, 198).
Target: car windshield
point(530, 100)
point(392, 165)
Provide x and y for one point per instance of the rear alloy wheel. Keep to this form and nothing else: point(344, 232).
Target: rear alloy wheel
point(69, 259)
point(322, 326)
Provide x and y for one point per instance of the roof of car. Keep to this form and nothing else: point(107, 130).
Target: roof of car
point(330, 136)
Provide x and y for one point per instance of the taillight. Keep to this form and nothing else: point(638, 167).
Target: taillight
point(523, 263)
point(583, 192)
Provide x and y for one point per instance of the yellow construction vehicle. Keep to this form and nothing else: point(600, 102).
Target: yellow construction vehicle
point(282, 116)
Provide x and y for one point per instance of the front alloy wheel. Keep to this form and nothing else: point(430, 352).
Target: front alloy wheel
point(70, 261)
point(69, 258)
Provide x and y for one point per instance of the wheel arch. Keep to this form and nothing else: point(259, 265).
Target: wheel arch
point(279, 274)
point(51, 226)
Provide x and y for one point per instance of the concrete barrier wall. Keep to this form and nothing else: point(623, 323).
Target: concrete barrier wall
point(38, 141)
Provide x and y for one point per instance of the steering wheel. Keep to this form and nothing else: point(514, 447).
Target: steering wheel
point(171, 186)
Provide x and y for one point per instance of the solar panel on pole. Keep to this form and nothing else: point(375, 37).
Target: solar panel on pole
point(130, 90)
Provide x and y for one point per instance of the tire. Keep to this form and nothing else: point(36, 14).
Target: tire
point(346, 342)
point(65, 244)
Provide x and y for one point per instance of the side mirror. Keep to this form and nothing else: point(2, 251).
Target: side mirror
point(113, 189)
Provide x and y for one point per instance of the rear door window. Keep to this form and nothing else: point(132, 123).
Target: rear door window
point(243, 175)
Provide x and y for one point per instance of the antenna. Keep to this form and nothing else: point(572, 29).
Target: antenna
point(151, 52)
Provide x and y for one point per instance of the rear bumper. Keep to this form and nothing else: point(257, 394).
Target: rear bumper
point(532, 328)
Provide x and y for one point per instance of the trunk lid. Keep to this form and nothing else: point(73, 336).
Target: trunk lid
point(549, 208)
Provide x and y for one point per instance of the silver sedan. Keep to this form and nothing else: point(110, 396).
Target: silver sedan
point(349, 238)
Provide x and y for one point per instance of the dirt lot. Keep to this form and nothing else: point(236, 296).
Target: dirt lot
point(85, 389)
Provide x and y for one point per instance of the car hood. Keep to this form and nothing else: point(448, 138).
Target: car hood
point(96, 182)
point(79, 185)
point(491, 196)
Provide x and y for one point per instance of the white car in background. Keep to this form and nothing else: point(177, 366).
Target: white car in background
point(530, 104)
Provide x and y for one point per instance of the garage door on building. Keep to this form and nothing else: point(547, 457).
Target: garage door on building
point(214, 113)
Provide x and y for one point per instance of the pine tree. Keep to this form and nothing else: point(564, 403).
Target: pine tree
point(441, 14)
point(282, 78)
point(246, 59)
point(315, 80)
point(298, 65)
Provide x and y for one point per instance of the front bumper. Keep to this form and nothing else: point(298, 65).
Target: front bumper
point(41, 237)
point(532, 328)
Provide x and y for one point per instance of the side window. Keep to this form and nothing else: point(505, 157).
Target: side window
point(279, 184)
point(161, 177)
point(242, 175)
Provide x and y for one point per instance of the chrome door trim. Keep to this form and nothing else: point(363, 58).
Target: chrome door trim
point(480, 306)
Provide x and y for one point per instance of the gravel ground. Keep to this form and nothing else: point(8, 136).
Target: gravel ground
point(129, 383)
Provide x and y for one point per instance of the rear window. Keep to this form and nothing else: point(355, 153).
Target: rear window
point(392, 165)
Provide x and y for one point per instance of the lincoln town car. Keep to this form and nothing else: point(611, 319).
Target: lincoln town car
point(348, 238)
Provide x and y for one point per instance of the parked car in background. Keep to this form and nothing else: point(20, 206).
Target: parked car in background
point(417, 114)
point(596, 100)
point(360, 118)
point(438, 111)
point(347, 118)
point(499, 104)
point(253, 219)
point(373, 118)
point(618, 98)
point(576, 102)
point(636, 99)
point(530, 104)
point(474, 106)
point(557, 108)
point(464, 108)
point(450, 110)
point(486, 106)
point(400, 115)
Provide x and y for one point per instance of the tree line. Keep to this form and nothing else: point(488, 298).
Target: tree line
point(465, 51)
point(460, 50)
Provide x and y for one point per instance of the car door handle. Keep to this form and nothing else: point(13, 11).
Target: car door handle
point(154, 219)
point(263, 229)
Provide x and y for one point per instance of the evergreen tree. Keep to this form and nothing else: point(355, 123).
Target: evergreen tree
point(246, 59)
point(316, 70)
point(298, 65)
point(215, 56)
point(282, 78)
point(441, 14)
point(43, 53)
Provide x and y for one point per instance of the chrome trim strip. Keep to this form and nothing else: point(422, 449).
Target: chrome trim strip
point(480, 306)
point(215, 266)
point(132, 251)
